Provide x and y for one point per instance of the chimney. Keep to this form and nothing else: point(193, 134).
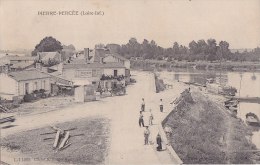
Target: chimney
point(86, 54)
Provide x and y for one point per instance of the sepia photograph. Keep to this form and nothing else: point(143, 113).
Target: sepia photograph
point(129, 82)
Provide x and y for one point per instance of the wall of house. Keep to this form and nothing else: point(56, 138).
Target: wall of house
point(114, 59)
point(110, 71)
point(111, 59)
point(32, 85)
point(8, 87)
point(127, 64)
point(92, 75)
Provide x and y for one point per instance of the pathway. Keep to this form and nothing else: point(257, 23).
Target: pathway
point(127, 140)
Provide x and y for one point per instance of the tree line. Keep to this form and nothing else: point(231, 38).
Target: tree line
point(208, 50)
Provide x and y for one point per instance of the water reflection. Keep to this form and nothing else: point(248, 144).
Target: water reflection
point(249, 87)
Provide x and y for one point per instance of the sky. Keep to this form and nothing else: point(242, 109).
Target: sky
point(165, 21)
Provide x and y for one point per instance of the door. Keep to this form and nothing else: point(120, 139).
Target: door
point(115, 72)
point(26, 88)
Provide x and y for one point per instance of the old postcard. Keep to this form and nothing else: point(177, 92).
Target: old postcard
point(129, 82)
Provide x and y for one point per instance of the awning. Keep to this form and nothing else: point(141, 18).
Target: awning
point(63, 85)
point(81, 82)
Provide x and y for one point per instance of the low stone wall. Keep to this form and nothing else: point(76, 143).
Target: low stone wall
point(180, 102)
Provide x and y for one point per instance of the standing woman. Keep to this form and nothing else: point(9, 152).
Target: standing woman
point(159, 142)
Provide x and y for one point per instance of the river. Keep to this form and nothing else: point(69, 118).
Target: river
point(246, 83)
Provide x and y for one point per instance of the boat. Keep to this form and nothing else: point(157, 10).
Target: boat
point(252, 119)
point(231, 103)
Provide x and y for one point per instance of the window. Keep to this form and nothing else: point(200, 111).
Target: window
point(35, 86)
point(44, 84)
point(94, 82)
point(106, 85)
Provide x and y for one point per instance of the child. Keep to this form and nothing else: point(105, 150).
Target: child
point(151, 118)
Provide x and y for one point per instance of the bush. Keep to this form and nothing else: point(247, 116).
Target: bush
point(42, 90)
point(28, 98)
point(35, 91)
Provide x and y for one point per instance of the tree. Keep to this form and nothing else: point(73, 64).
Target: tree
point(193, 47)
point(113, 48)
point(212, 49)
point(223, 50)
point(48, 44)
point(202, 46)
point(175, 48)
point(99, 46)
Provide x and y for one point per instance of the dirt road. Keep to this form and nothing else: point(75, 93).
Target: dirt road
point(127, 140)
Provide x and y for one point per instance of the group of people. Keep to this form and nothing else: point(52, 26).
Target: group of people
point(150, 122)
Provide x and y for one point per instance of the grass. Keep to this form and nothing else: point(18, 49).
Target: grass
point(91, 148)
point(198, 132)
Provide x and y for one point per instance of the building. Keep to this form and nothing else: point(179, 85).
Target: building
point(17, 84)
point(104, 75)
point(12, 59)
point(21, 66)
point(110, 58)
point(47, 57)
point(15, 62)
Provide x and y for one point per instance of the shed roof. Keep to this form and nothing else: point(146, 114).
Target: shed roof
point(21, 65)
point(28, 75)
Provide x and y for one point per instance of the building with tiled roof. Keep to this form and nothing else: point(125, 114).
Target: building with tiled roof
point(19, 83)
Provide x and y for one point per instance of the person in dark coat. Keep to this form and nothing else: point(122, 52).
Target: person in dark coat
point(159, 142)
point(141, 119)
point(143, 105)
point(161, 105)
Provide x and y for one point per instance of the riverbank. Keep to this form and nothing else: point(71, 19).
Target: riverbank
point(204, 132)
point(150, 65)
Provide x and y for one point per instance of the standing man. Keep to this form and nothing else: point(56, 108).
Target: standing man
point(161, 105)
point(141, 119)
point(146, 135)
point(143, 105)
